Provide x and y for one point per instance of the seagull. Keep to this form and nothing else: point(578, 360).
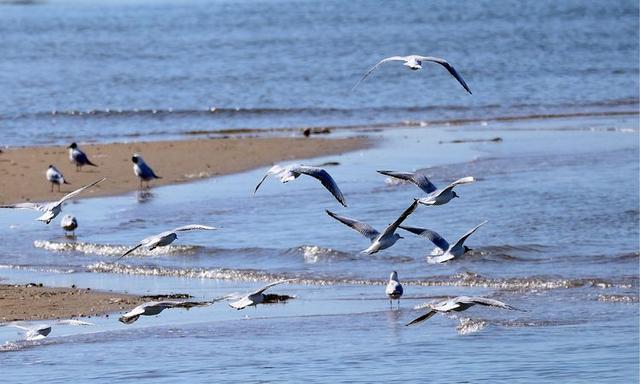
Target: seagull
point(69, 224)
point(53, 209)
point(40, 331)
point(293, 171)
point(153, 308)
point(414, 62)
point(77, 157)
point(435, 196)
point(254, 298)
point(165, 238)
point(459, 304)
point(55, 177)
point(449, 251)
point(142, 170)
point(394, 289)
point(379, 241)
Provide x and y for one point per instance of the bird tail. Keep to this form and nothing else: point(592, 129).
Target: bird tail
point(66, 182)
point(90, 163)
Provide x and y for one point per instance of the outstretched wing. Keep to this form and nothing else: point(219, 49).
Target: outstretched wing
point(78, 191)
point(436, 239)
point(259, 291)
point(393, 58)
point(325, 178)
point(486, 302)
point(130, 250)
point(74, 322)
point(393, 226)
point(464, 180)
point(34, 206)
point(194, 227)
point(449, 68)
point(365, 229)
point(422, 318)
point(416, 178)
point(469, 233)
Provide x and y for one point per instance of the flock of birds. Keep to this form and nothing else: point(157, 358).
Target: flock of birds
point(378, 240)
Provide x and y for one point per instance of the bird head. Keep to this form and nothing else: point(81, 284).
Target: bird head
point(135, 158)
point(73, 146)
point(455, 194)
point(467, 249)
point(394, 276)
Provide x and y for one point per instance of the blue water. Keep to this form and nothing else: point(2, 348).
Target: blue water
point(560, 192)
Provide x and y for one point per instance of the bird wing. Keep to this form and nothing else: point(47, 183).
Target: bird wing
point(16, 325)
point(74, 322)
point(422, 318)
point(484, 301)
point(81, 157)
point(260, 182)
point(365, 229)
point(393, 287)
point(140, 244)
point(78, 191)
point(469, 233)
point(436, 239)
point(194, 227)
point(269, 286)
point(34, 206)
point(416, 178)
point(392, 58)
point(464, 180)
point(393, 226)
point(325, 178)
point(241, 304)
point(449, 68)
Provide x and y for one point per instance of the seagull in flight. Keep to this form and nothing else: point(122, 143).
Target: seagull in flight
point(51, 210)
point(379, 241)
point(293, 171)
point(77, 157)
point(394, 289)
point(55, 177)
point(153, 308)
point(254, 298)
point(459, 304)
point(40, 331)
point(414, 62)
point(142, 170)
point(435, 196)
point(165, 238)
point(449, 251)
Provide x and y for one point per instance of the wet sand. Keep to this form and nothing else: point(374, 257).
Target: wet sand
point(22, 170)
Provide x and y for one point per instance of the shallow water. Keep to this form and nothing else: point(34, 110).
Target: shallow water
point(561, 242)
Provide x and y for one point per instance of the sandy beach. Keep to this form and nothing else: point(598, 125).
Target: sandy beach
point(23, 169)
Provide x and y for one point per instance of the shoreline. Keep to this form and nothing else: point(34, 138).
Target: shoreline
point(179, 161)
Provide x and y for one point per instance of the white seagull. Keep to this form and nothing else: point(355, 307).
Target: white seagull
point(55, 177)
point(69, 224)
point(435, 196)
point(77, 157)
point(254, 298)
point(379, 241)
point(449, 251)
point(53, 209)
point(142, 170)
point(153, 308)
point(40, 331)
point(459, 304)
point(394, 289)
point(293, 171)
point(165, 238)
point(414, 62)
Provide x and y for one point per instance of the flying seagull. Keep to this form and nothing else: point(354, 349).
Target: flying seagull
point(293, 171)
point(69, 224)
point(435, 196)
point(77, 157)
point(449, 251)
point(153, 308)
point(165, 238)
point(55, 177)
point(254, 298)
point(458, 304)
point(40, 331)
point(394, 289)
point(142, 170)
point(379, 241)
point(414, 62)
point(51, 210)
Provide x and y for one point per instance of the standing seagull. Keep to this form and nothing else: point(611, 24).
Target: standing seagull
point(77, 157)
point(394, 289)
point(51, 210)
point(435, 196)
point(153, 308)
point(449, 251)
point(165, 238)
point(40, 331)
point(379, 241)
point(254, 298)
point(69, 224)
point(55, 177)
point(142, 170)
point(293, 171)
point(414, 62)
point(459, 304)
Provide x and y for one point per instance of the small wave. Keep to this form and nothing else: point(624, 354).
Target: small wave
point(109, 250)
point(33, 268)
point(313, 254)
point(467, 326)
point(619, 298)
